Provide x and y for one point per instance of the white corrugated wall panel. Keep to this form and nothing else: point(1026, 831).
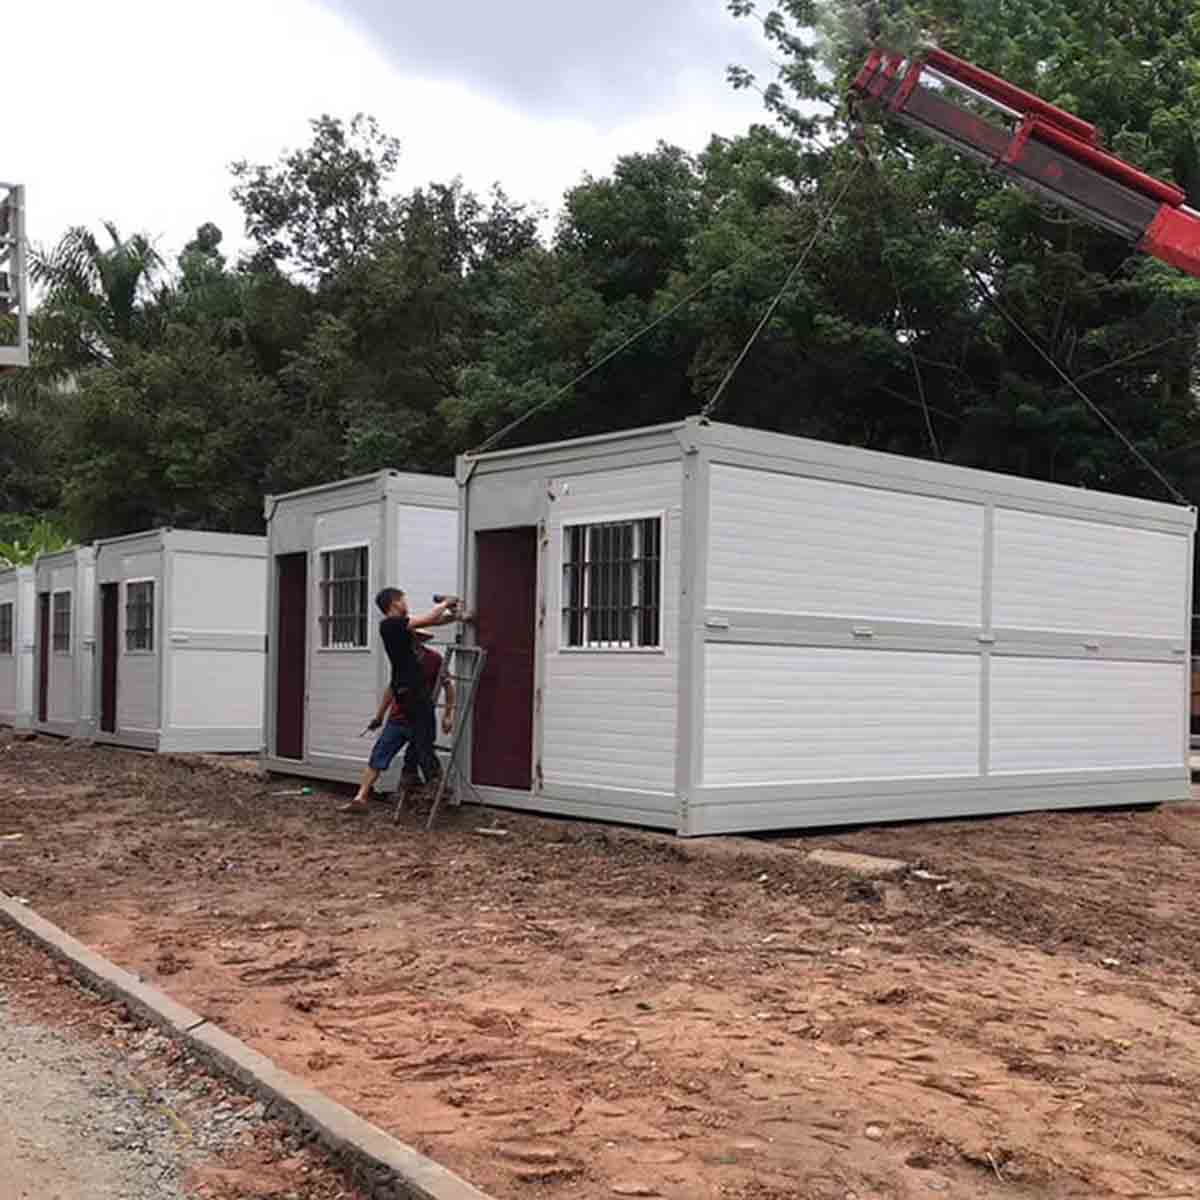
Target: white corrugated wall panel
point(787, 543)
point(609, 717)
point(1067, 714)
point(218, 593)
point(343, 693)
point(9, 685)
point(1058, 573)
point(137, 687)
point(427, 554)
point(216, 689)
point(611, 724)
point(62, 691)
point(26, 632)
point(357, 525)
point(343, 685)
point(85, 658)
point(139, 672)
point(807, 714)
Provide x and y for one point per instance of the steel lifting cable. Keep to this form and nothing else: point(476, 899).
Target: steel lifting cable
point(986, 292)
point(708, 409)
point(916, 366)
point(1109, 423)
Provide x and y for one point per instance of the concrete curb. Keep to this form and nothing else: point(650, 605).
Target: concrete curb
point(388, 1168)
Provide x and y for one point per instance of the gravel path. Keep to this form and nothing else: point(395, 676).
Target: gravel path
point(76, 1123)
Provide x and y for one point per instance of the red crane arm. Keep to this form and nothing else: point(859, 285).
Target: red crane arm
point(1040, 147)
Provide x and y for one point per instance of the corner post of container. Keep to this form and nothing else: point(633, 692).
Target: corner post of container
point(693, 564)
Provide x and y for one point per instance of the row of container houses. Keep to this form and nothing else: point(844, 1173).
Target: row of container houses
point(154, 640)
point(693, 626)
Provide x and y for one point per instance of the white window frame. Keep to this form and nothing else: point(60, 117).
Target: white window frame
point(11, 605)
point(54, 595)
point(319, 553)
point(153, 581)
point(618, 518)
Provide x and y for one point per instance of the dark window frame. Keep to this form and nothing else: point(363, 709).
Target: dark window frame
point(8, 618)
point(60, 621)
point(139, 616)
point(344, 609)
point(612, 583)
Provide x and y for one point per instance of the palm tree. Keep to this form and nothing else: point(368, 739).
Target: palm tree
point(94, 297)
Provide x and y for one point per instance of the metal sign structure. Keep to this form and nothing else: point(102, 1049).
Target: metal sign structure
point(14, 278)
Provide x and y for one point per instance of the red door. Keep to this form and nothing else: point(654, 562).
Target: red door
point(292, 625)
point(43, 643)
point(108, 656)
point(505, 614)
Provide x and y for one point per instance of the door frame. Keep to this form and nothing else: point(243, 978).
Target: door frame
point(281, 644)
point(537, 532)
point(110, 633)
point(42, 667)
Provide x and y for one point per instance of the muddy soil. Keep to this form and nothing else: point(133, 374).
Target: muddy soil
point(574, 1010)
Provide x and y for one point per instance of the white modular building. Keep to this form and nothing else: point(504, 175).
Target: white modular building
point(332, 548)
point(180, 630)
point(710, 629)
point(17, 612)
point(64, 642)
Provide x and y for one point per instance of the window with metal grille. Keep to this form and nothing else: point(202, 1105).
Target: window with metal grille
point(6, 628)
point(139, 615)
point(612, 585)
point(60, 627)
point(344, 601)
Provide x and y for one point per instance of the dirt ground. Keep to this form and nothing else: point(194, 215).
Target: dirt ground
point(579, 1011)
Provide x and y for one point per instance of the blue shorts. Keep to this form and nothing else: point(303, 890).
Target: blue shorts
point(388, 744)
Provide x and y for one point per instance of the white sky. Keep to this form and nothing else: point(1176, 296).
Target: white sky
point(134, 108)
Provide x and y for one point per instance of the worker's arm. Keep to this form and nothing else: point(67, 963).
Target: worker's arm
point(439, 614)
point(451, 699)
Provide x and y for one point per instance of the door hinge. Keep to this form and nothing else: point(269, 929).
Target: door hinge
point(537, 701)
point(539, 780)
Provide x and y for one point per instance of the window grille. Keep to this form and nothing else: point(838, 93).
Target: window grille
point(139, 615)
point(6, 628)
point(60, 637)
point(612, 584)
point(344, 601)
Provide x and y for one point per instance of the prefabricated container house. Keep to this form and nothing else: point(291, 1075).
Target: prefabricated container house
point(17, 606)
point(181, 627)
point(331, 549)
point(64, 642)
point(709, 629)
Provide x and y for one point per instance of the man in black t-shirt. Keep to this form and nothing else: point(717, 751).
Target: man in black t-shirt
point(407, 682)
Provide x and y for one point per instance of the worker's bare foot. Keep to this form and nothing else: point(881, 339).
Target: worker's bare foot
point(354, 806)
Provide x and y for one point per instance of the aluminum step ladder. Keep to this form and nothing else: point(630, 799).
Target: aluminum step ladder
point(462, 666)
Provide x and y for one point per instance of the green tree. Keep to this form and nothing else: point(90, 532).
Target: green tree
point(95, 298)
point(319, 209)
point(22, 539)
point(549, 313)
point(179, 434)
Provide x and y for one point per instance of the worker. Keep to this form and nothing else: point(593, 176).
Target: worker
point(419, 755)
point(407, 700)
